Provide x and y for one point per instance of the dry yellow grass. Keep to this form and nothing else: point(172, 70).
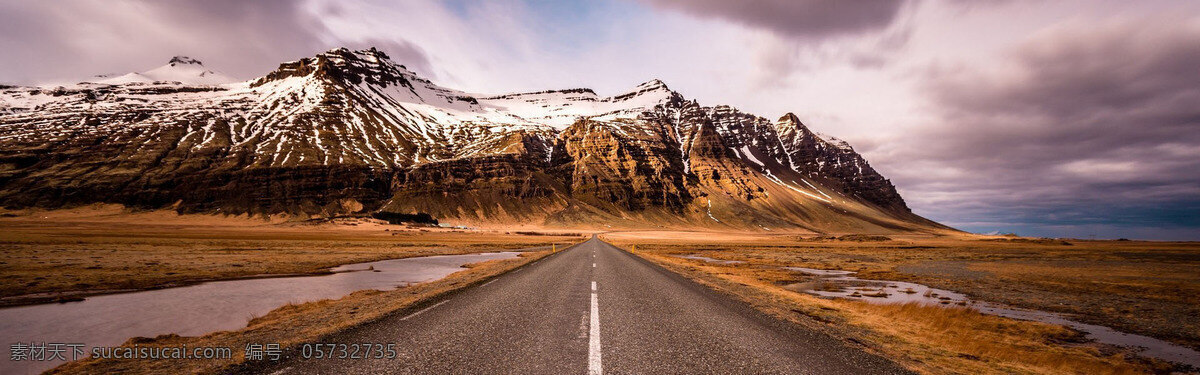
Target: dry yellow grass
point(68, 254)
point(951, 340)
point(47, 254)
point(926, 338)
point(1145, 287)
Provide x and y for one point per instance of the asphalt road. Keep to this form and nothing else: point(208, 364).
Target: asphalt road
point(593, 309)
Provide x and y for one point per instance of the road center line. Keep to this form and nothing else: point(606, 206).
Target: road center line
point(424, 310)
point(594, 367)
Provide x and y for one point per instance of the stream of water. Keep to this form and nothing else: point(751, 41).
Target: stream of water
point(842, 284)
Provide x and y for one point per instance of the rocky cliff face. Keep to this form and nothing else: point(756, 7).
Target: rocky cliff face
point(621, 166)
point(348, 132)
point(834, 161)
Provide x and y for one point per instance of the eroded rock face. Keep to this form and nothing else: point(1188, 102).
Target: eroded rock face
point(628, 166)
point(349, 132)
point(834, 160)
point(159, 164)
point(502, 187)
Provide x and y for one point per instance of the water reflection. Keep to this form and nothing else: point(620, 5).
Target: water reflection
point(710, 260)
point(840, 284)
point(109, 320)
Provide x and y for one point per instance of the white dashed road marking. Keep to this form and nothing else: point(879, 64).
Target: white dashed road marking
point(594, 367)
point(424, 310)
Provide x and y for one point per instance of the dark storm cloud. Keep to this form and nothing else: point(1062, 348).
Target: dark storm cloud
point(54, 39)
point(796, 18)
point(1091, 125)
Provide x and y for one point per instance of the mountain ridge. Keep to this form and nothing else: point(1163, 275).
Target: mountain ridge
point(181, 69)
point(350, 132)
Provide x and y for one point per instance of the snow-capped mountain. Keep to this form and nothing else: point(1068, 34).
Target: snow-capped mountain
point(352, 132)
point(180, 70)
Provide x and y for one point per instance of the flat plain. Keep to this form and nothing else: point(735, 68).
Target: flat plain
point(1143, 287)
point(67, 254)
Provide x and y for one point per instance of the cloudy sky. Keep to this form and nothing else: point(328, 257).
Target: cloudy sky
point(1047, 118)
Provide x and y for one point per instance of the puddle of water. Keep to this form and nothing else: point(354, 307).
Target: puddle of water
point(109, 320)
point(839, 284)
point(814, 271)
point(1149, 346)
point(710, 260)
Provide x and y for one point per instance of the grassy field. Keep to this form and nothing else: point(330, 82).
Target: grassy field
point(1148, 288)
point(63, 255)
point(68, 254)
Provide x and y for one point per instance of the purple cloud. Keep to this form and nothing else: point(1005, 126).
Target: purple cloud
point(1087, 122)
point(80, 38)
point(796, 18)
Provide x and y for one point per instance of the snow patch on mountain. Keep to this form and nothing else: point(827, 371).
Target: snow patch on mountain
point(834, 141)
point(180, 69)
point(561, 108)
point(373, 107)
